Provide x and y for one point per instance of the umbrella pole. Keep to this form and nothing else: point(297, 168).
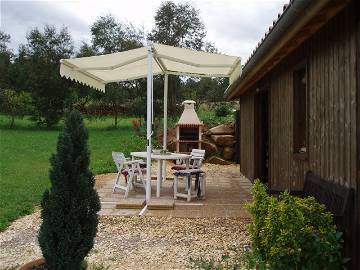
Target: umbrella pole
point(165, 123)
point(149, 122)
point(165, 110)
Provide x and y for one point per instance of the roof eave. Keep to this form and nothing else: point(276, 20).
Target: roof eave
point(286, 28)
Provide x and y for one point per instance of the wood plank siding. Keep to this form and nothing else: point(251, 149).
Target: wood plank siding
point(247, 135)
point(331, 76)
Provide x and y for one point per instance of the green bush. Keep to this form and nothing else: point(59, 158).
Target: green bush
point(69, 208)
point(137, 106)
point(15, 104)
point(210, 119)
point(292, 233)
point(222, 110)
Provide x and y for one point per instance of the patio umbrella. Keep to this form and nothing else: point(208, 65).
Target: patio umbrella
point(145, 62)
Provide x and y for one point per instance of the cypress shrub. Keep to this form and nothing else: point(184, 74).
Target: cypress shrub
point(70, 206)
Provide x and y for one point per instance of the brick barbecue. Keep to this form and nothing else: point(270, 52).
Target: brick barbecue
point(188, 129)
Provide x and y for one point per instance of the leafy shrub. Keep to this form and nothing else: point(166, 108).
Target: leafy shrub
point(222, 110)
point(286, 233)
point(15, 104)
point(292, 232)
point(69, 208)
point(210, 119)
point(137, 106)
point(139, 127)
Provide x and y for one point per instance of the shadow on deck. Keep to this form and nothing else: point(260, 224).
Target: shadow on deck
point(226, 192)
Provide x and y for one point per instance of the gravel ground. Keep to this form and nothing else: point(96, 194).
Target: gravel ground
point(138, 242)
point(135, 242)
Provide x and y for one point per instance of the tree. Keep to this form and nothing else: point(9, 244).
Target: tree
point(4, 40)
point(17, 75)
point(115, 97)
point(15, 104)
point(110, 36)
point(86, 50)
point(5, 58)
point(81, 94)
point(69, 208)
point(178, 25)
point(42, 55)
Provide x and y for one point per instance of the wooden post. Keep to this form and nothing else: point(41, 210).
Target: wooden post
point(200, 136)
point(356, 219)
point(177, 139)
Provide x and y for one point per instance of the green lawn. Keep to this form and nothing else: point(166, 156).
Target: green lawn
point(24, 159)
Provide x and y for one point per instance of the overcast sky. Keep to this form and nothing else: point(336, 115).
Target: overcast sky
point(235, 26)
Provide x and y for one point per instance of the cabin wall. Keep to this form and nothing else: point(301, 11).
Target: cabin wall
point(332, 115)
point(354, 232)
point(333, 107)
point(330, 56)
point(247, 135)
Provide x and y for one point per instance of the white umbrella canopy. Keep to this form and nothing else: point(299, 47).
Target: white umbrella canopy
point(96, 71)
point(154, 59)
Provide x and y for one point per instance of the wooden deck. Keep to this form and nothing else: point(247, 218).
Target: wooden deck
point(226, 192)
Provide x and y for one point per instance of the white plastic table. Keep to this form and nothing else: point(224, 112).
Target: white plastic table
point(162, 158)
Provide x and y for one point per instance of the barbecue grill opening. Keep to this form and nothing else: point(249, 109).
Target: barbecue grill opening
point(189, 134)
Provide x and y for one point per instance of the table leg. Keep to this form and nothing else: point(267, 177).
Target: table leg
point(159, 178)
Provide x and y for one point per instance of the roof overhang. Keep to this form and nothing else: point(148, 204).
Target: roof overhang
point(97, 71)
point(300, 20)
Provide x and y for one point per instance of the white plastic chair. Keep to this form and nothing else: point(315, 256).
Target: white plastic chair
point(131, 170)
point(188, 177)
point(196, 160)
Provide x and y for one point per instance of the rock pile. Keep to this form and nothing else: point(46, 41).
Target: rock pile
point(219, 143)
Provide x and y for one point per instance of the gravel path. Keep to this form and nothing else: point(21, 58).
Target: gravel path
point(134, 242)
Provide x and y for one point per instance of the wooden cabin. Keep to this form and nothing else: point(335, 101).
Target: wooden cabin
point(299, 96)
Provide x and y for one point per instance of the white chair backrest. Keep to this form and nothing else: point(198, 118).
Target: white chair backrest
point(197, 156)
point(198, 153)
point(119, 160)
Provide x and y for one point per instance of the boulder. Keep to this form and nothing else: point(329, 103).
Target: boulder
point(224, 140)
point(222, 129)
point(209, 147)
point(217, 160)
point(228, 153)
point(171, 146)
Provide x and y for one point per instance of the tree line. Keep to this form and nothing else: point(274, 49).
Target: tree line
point(30, 83)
